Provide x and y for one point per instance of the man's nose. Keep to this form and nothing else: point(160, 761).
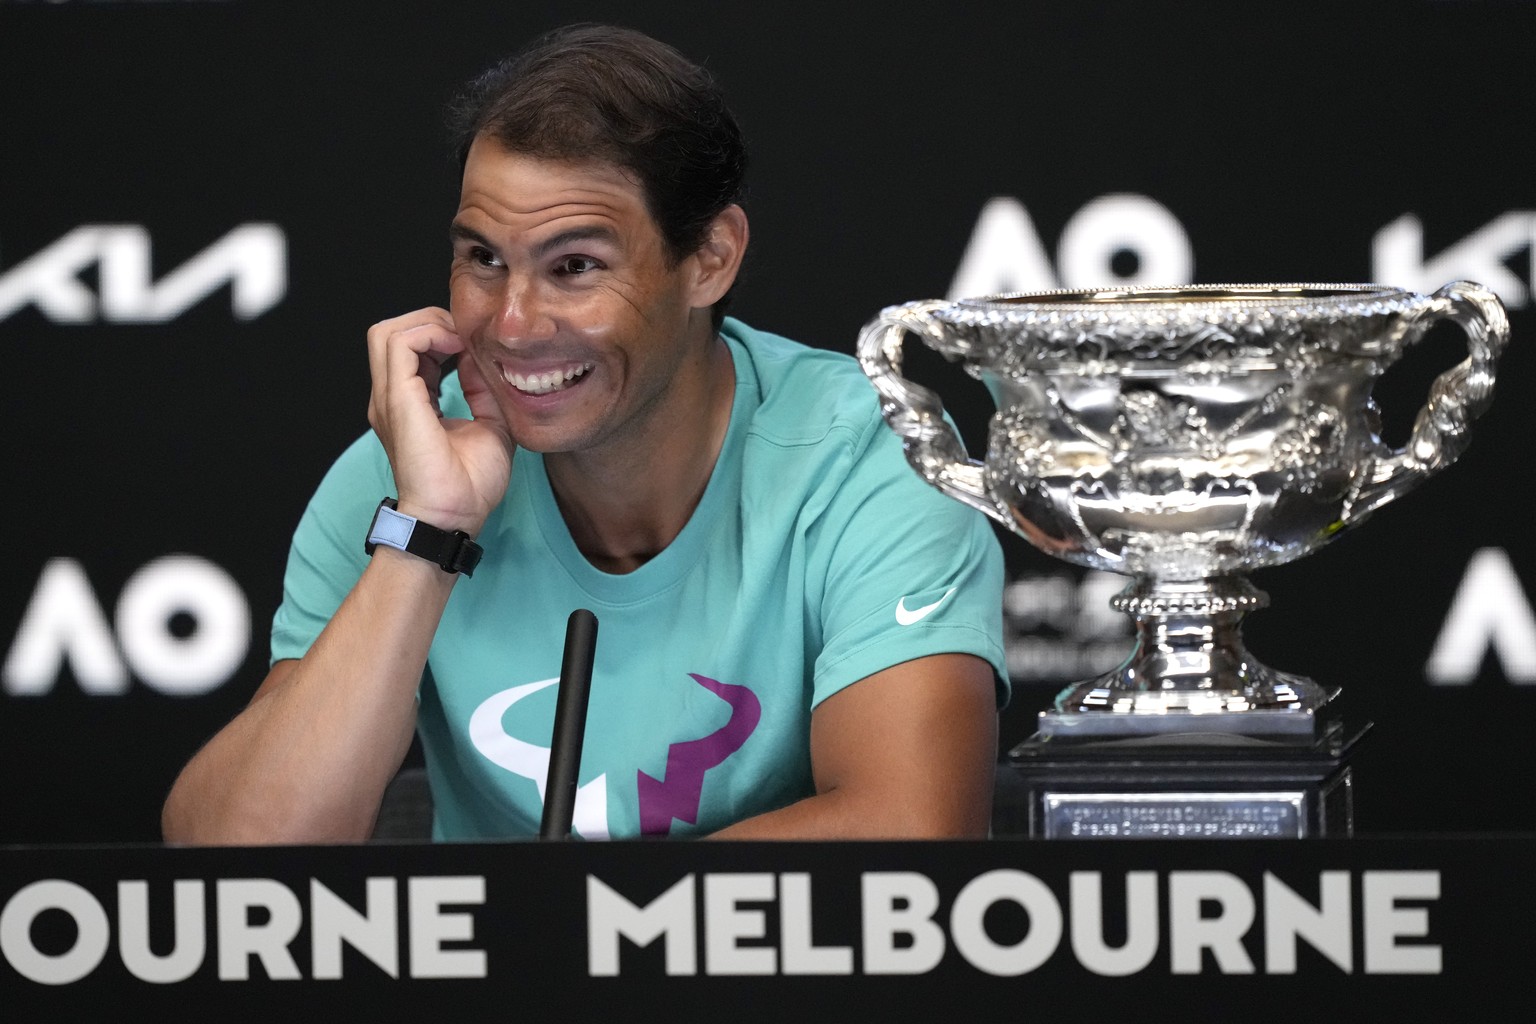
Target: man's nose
point(523, 311)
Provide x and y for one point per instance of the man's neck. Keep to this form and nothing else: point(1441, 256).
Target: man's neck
point(626, 503)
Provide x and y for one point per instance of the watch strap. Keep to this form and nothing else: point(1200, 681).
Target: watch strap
point(452, 550)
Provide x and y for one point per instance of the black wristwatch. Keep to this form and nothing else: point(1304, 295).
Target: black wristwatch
point(452, 550)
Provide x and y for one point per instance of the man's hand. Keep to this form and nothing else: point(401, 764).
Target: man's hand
point(449, 472)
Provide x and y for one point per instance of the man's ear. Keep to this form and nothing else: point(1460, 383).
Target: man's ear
point(717, 261)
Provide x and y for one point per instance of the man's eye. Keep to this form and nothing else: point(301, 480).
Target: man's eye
point(572, 265)
point(484, 257)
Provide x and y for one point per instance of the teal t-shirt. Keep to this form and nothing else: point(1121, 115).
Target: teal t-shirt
point(815, 558)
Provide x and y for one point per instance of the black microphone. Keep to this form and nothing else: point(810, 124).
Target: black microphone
point(570, 725)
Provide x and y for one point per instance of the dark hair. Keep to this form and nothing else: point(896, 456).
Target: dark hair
point(600, 92)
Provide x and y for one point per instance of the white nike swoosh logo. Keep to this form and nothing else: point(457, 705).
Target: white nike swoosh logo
point(906, 616)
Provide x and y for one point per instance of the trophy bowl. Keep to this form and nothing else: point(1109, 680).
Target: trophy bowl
point(1184, 436)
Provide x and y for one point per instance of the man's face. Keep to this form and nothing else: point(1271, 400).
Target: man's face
point(561, 290)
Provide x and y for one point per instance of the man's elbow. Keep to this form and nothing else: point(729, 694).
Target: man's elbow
point(186, 822)
point(948, 823)
point(893, 816)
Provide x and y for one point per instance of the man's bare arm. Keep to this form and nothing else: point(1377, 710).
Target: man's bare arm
point(308, 759)
point(907, 753)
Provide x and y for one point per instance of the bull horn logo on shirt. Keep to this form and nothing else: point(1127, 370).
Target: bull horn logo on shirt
point(678, 796)
point(661, 800)
point(589, 818)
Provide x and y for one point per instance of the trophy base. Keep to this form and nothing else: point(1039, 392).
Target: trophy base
point(1295, 723)
point(1196, 785)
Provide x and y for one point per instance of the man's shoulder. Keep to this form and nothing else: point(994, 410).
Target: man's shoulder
point(777, 356)
point(804, 393)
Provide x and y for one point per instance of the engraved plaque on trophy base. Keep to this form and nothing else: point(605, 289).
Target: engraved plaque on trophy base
point(1197, 785)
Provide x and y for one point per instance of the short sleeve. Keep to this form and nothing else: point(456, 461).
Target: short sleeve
point(911, 572)
point(326, 556)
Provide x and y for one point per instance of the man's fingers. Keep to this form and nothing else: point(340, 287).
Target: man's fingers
point(429, 314)
point(426, 330)
point(405, 351)
point(477, 393)
point(406, 356)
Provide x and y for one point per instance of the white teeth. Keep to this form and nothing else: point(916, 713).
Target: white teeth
point(545, 383)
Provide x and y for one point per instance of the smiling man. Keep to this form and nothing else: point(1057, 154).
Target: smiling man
point(799, 637)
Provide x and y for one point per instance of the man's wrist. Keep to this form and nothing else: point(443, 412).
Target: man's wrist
point(441, 518)
point(451, 550)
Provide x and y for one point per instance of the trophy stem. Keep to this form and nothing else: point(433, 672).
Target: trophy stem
point(1189, 671)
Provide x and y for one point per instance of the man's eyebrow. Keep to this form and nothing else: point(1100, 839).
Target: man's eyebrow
point(458, 232)
point(593, 232)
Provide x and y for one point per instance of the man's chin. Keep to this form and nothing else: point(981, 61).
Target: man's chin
point(548, 442)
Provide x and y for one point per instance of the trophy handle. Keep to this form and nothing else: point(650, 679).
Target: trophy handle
point(1456, 398)
point(932, 445)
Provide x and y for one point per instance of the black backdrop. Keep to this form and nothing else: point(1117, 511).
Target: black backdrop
point(203, 205)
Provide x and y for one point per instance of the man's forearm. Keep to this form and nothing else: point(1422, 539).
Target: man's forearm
point(844, 814)
point(310, 756)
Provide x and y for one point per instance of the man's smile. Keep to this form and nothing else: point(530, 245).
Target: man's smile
point(547, 381)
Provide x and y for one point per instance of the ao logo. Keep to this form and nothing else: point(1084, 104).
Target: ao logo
point(1126, 239)
point(64, 621)
point(252, 259)
point(1118, 239)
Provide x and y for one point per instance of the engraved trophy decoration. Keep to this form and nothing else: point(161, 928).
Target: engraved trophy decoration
point(1183, 437)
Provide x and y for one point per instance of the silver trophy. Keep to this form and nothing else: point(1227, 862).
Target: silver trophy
point(1183, 437)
